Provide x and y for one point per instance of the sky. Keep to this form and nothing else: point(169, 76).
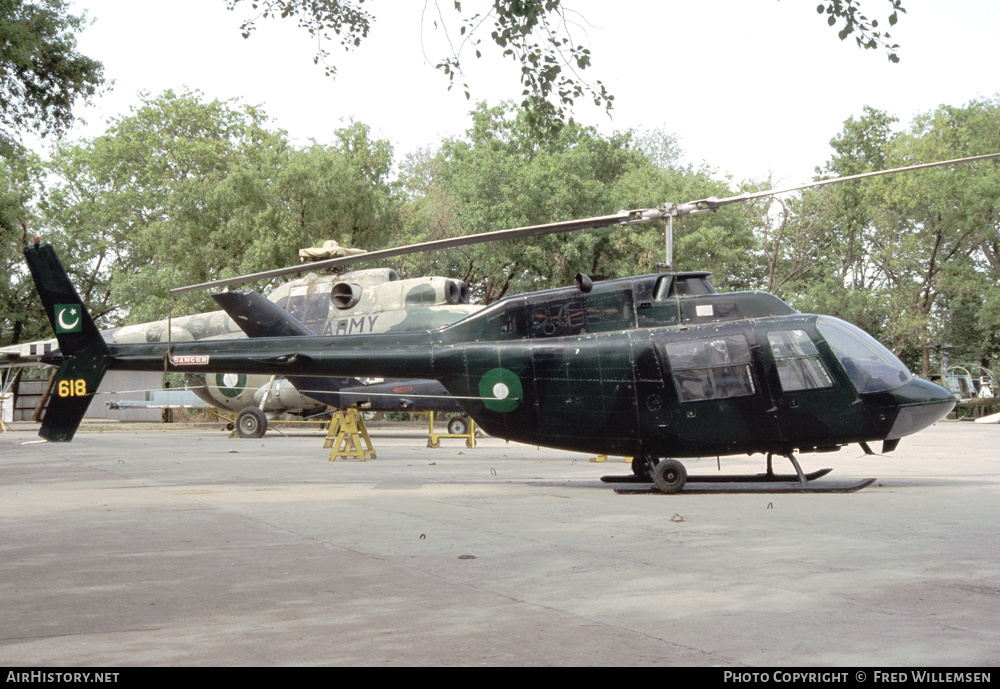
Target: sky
point(752, 88)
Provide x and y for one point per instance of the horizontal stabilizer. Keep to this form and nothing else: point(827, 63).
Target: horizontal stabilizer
point(257, 316)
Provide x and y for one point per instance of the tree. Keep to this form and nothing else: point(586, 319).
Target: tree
point(538, 35)
point(822, 258)
point(42, 76)
point(184, 191)
point(909, 256)
point(21, 319)
point(959, 222)
point(868, 34)
point(501, 175)
point(341, 191)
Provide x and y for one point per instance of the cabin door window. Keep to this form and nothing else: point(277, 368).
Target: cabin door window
point(711, 368)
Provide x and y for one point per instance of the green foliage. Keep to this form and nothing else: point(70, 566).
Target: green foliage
point(825, 240)
point(503, 175)
point(827, 294)
point(867, 32)
point(910, 257)
point(21, 319)
point(537, 35)
point(164, 196)
point(319, 18)
point(184, 191)
point(936, 222)
point(534, 34)
point(42, 76)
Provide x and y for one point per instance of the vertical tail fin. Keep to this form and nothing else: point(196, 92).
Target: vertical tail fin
point(85, 354)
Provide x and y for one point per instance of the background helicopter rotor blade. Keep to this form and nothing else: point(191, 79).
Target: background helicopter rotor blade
point(625, 217)
point(619, 218)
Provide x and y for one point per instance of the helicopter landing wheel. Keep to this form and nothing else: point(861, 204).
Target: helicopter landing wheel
point(458, 426)
point(643, 466)
point(251, 423)
point(669, 476)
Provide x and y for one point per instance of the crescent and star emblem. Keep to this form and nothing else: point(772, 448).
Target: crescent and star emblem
point(68, 318)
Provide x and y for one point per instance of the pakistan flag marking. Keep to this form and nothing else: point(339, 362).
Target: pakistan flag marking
point(502, 390)
point(68, 318)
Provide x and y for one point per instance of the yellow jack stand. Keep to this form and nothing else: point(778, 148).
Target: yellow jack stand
point(434, 439)
point(348, 428)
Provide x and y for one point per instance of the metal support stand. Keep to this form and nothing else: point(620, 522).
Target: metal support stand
point(434, 438)
point(347, 430)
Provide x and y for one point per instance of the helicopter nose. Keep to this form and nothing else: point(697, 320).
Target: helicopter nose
point(921, 403)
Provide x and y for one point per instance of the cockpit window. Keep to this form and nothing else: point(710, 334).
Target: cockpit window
point(869, 365)
point(798, 363)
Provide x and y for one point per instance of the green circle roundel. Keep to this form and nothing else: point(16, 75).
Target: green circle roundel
point(229, 384)
point(502, 390)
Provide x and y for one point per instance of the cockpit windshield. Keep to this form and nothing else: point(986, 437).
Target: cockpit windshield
point(869, 365)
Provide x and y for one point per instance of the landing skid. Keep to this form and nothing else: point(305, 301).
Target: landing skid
point(725, 478)
point(726, 487)
point(644, 483)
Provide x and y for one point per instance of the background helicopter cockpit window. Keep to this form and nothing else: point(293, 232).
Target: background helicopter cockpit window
point(870, 366)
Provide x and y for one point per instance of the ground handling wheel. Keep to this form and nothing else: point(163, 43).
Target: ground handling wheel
point(669, 476)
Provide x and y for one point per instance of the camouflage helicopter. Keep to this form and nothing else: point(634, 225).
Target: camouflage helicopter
point(343, 303)
point(658, 367)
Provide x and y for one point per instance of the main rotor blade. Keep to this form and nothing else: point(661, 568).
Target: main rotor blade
point(711, 204)
point(619, 218)
point(632, 217)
